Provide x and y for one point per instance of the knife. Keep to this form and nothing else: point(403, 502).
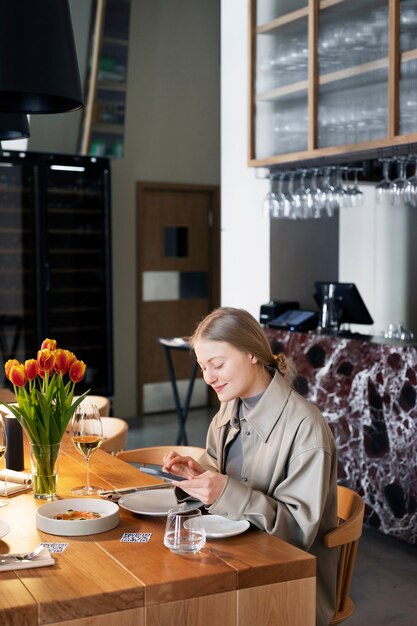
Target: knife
point(118, 493)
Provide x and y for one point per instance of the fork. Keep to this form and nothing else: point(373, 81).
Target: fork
point(6, 558)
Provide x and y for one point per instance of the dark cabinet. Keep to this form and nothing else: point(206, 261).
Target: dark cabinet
point(55, 260)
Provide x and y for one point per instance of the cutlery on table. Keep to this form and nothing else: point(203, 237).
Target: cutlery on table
point(115, 494)
point(7, 558)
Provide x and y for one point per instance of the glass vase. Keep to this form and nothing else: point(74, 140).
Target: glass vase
point(44, 461)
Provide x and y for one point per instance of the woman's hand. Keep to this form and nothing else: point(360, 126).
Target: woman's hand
point(205, 487)
point(182, 465)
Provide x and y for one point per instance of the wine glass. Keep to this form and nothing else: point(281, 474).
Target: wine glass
point(354, 194)
point(301, 197)
point(399, 184)
point(270, 205)
point(382, 188)
point(87, 436)
point(3, 448)
point(411, 188)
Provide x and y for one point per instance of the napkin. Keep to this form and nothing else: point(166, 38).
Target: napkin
point(16, 482)
point(43, 559)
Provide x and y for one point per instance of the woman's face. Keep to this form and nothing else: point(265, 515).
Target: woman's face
point(231, 372)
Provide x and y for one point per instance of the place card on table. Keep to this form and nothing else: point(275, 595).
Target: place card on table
point(57, 548)
point(136, 537)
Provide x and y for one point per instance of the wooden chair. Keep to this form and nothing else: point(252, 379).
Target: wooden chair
point(155, 455)
point(350, 512)
point(6, 395)
point(101, 402)
point(114, 433)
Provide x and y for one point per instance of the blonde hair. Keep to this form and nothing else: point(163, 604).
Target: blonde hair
point(241, 330)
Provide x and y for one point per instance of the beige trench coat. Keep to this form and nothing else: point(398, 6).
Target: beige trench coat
point(288, 486)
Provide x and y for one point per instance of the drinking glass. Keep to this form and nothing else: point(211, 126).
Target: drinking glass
point(87, 436)
point(270, 203)
point(3, 448)
point(382, 188)
point(411, 187)
point(280, 196)
point(290, 200)
point(330, 201)
point(399, 184)
point(184, 532)
point(340, 189)
point(316, 198)
point(354, 194)
point(301, 197)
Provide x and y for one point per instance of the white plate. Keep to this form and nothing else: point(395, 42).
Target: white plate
point(4, 528)
point(152, 502)
point(217, 526)
point(109, 512)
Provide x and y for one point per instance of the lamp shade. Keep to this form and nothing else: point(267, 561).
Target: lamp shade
point(38, 62)
point(14, 126)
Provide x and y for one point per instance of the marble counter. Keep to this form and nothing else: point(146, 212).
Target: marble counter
point(367, 391)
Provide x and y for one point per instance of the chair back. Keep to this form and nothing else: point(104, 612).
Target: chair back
point(350, 512)
point(114, 434)
point(101, 402)
point(6, 395)
point(155, 455)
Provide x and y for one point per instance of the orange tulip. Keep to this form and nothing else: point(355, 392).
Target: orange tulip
point(61, 361)
point(8, 366)
point(48, 344)
point(71, 357)
point(77, 371)
point(31, 369)
point(46, 360)
point(17, 375)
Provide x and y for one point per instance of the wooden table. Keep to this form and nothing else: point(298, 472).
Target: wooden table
point(248, 579)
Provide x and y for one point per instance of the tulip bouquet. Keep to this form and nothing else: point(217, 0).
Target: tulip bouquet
point(44, 401)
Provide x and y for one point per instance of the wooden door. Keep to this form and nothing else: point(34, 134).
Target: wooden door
point(178, 267)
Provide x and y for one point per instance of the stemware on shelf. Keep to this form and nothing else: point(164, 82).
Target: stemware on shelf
point(316, 196)
point(87, 436)
point(290, 200)
point(3, 449)
point(354, 194)
point(270, 201)
point(340, 188)
point(330, 200)
point(382, 188)
point(410, 191)
point(398, 185)
point(301, 197)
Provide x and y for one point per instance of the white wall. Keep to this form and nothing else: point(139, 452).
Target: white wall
point(377, 252)
point(172, 135)
point(245, 232)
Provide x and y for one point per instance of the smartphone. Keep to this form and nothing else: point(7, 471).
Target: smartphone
point(158, 472)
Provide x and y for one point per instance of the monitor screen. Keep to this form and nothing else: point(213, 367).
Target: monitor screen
point(352, 309)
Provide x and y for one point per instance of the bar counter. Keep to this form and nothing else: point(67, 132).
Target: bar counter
point(367, 390)
point(98, 580)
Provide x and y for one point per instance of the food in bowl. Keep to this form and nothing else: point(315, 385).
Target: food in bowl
point(72, 514)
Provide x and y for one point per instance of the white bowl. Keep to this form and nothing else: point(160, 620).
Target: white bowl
point(109, 519)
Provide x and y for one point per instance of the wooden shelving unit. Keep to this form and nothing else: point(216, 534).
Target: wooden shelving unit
point(103, 124)
point(309, 95)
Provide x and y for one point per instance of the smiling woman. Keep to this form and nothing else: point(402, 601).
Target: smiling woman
point(270, 457)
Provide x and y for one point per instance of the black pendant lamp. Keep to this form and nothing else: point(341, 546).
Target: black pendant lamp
point(38, 62)
point(13, 127)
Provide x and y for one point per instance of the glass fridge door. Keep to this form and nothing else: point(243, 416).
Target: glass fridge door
point(18, 263)
point(78, 289)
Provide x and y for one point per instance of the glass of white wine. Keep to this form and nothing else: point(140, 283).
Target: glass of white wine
point(3, 448)
point(87, 436)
